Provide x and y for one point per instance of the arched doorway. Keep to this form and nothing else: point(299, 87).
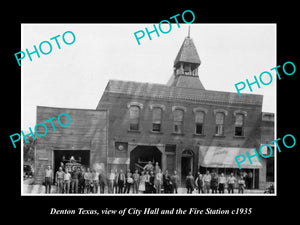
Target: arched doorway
point(187, 160)
point(142, 154)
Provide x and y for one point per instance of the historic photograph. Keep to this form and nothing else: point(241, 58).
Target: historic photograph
point(103, 114)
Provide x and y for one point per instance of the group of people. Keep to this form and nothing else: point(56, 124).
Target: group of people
point(217, 183)
point(149, 180)
point(85, 181)
point(75, 180)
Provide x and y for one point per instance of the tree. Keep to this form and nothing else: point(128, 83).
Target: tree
point(28, 149)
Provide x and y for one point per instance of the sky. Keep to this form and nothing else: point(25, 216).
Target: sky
point(76, 75)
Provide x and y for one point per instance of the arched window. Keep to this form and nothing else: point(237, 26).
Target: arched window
point(156, 119)
point(134, 117)
point(199, 121)
point(220, 123)
point(239, 125)
point(178, 120)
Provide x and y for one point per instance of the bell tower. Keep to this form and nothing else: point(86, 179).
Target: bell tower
point(186, 63)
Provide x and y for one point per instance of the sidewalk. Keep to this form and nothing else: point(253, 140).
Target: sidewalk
point(30, 188)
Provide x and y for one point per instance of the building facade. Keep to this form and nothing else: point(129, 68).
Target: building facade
point(180, 125)
point(85, 139)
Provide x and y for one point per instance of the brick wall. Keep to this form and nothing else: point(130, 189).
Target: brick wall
point(87, 131)
point(117, 104)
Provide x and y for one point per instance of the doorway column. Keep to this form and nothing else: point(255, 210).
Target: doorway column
point(162, 148)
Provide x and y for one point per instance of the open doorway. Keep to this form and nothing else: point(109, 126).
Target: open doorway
point(187, 160)
point(142, 154)
point(80, 157)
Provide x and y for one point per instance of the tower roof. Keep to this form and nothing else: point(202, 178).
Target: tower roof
point(187, 53)
point(186, 66)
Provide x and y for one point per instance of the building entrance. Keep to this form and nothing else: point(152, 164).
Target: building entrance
point(71, 158)
point(142, 154)
point(187, 159)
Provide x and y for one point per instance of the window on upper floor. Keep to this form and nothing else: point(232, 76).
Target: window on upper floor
point(156, 119)
point(134, 116)
point(178, 120)
point(239, 125)
point(199, 121)
point(220, 116)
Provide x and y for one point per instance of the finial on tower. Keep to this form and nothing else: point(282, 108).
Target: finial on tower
point(189, 31)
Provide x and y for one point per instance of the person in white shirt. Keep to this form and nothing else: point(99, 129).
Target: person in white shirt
point(222, 181)
point(136, 178)
point(67, 181)
point(231, 181)
point(206, 181)
point(158, 181)
point(95, 180)
point(88, 180)
point(48, 179)
point(111, 179)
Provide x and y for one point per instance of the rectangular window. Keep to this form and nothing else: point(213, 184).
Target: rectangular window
point(178, 121)
point(199, 119)
point(219, 123)
point(156, 127)
point(239, 122)
point(156, 119)
point(134, 114)
point(199, 129)
point(238, 131)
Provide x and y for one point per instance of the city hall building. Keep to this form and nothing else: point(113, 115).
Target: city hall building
point(180, 125)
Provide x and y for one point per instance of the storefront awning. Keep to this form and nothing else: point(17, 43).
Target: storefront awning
point(224, 157)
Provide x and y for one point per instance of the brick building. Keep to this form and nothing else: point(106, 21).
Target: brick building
point(85, 139)
point(180, 125)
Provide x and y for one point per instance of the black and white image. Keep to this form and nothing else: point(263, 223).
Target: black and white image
point(160, 118)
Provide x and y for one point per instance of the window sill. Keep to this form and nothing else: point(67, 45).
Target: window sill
point(241, 137)
point(134, 131)
point(219, 136)
point(155, 132)
point(174, 133)
point(199, 135)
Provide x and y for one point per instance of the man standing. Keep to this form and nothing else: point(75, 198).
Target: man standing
point(151, 182)
point(231, 182)
point(190, 183)
point(81, 180)
point(74, 183)
point(222, 181)
point(175, 182)
point(121, 181)
point(102, 181)
point(199, 183)
point(136, 178)
point(206, 180)
point(167, 182)
point(156, 168)
point(147, 182)
point(241, 182)
point(87, 180)
point(59, 180)
point(111, 180)
point(158, 181)
point(67, 181)
point(214, 183)
point(115, 186)
point(128, 181)
point(95, 181)
point(48, 179)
